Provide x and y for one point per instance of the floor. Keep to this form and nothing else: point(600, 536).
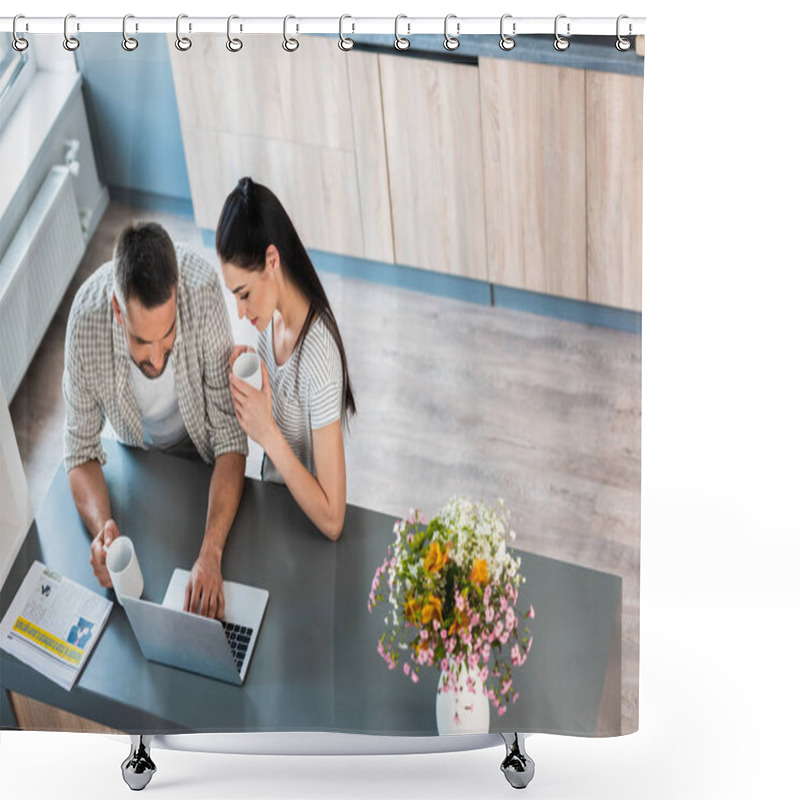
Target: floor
point(453, 398)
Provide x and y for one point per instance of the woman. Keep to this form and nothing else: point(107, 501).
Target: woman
point(306, 395)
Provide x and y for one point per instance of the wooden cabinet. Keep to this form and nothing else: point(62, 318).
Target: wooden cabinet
point(520, 174)
point(298, 139)
point(614, 189)
point(534, 161)
point(432, 122)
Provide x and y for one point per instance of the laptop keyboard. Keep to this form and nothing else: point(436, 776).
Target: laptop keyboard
point(238, 639)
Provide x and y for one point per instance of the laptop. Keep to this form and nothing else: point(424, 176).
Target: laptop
point(222, 650)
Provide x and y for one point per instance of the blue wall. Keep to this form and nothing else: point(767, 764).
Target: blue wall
point(133, 114)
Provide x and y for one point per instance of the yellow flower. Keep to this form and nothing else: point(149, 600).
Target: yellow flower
point(436, 559)
point(433, 608)
point(480, 573)
point(411, 607)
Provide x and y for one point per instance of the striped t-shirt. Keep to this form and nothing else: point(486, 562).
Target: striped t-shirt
point(306, 393)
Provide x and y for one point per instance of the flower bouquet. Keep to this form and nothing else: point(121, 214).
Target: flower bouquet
point(451, 586)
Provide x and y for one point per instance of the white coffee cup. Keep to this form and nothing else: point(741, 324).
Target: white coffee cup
point(248, 367)
point(123, 567)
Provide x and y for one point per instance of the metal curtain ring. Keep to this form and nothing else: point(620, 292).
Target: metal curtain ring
point(290, 44)
point(183, 43)
point(622, 44)
point(451, 42)
point(18, 43)
point(561, 43)
point(128, 42)
point(400, 42)
point(345, 42)
point(507, 42)
point(233, 44)
point(70, 42)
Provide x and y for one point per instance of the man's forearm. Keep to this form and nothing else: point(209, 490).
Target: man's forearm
point(90, 493)
point(224, 493)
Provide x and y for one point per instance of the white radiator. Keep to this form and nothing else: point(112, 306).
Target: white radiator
point(35, 271)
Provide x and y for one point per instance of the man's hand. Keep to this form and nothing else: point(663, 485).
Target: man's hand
point(104, 537)
point(204, 590)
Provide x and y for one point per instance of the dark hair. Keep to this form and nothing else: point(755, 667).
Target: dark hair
point(251, 220)
point(145, 264)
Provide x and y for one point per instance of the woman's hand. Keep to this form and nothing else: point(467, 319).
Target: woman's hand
point(253, 407)
point(238, 349)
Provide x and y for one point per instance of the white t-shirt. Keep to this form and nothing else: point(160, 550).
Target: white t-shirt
point(306, 392)
point(157, 398)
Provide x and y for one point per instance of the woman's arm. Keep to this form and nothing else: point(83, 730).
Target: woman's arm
point(322, 498)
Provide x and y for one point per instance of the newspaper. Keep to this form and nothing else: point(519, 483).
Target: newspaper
point(53, 624)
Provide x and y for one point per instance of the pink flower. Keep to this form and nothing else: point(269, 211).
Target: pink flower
point(516, 656)
point(460, 601)
point(489, 614)
point(486, 651)
point(515, 697)
point(423, 634)
point(506, 687)
point(530, 612)
point(406, 668)
point(511, 618)
point(487, 595)
point(415, 678)
point(501, 710)
point(503, 603)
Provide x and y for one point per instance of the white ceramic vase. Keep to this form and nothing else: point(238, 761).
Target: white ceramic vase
point(459, 710)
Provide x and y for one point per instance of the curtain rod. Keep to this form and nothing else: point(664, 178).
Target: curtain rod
point(456, 26)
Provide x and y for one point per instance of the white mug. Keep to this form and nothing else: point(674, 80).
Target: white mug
point(123, 567)
point(248, 367)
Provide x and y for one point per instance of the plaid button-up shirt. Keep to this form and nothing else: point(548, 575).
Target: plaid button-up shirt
point(97, 365)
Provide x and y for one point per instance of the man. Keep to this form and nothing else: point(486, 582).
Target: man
point(147, 348)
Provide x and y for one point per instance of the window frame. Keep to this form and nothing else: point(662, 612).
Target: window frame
point(21, 78)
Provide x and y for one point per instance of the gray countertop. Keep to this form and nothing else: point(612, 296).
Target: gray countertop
point(315, 665)
point(585, 52)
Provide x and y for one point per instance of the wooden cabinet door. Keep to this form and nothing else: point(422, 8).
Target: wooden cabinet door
point(434, 154)
point(284, 119)
point(614, 189)
point(370, 155)
point(534, 159)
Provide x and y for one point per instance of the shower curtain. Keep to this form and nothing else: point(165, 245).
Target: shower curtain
point(474, 218)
